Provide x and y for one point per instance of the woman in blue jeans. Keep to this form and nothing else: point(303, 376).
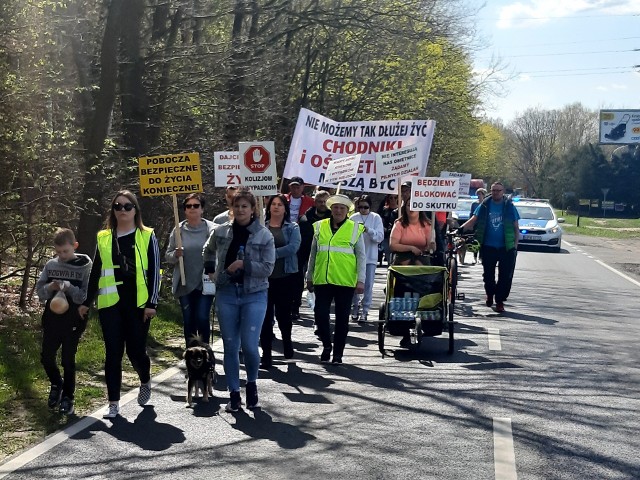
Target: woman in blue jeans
point(194, 233)
point(239, 257)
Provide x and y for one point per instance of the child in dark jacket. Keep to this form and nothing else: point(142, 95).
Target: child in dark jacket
point(62, 325)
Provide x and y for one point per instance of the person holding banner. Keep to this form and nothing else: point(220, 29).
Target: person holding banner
point(410, 239)
point(286, 236)
point(337, 270)
point(126, 277)
point(239, 256)
point(373, 234)
point(497, 231)
point(195, 304)
point(299, 203)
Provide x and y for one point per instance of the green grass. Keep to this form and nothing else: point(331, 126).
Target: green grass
point(620, 228)
point(24, 387)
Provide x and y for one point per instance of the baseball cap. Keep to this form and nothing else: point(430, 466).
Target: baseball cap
point(406, 184)
point(340, 200)
point(296, 181)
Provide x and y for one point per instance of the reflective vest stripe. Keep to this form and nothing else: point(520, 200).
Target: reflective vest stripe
point(108, 272)
point(327, 248)
point(108, 290)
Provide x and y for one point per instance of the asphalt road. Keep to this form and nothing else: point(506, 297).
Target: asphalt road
point(548, 390)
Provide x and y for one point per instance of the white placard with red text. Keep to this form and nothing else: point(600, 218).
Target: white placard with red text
point(258, 167)
point(434, 194)
point(317, 140)
point(227, 168)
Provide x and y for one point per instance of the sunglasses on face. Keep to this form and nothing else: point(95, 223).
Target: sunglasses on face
point(127, 207)
point(364, 207)
point(192, 205)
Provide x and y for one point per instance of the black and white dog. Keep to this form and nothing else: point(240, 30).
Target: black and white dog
point(201, 369)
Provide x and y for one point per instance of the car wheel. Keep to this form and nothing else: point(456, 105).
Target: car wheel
point(558, 248)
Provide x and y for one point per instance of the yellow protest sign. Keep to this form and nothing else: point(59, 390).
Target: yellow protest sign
point(170, 174)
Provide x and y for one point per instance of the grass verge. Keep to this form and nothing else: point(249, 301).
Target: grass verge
point(24, 387)
point(620, 228)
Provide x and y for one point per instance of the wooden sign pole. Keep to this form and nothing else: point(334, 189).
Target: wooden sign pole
point(178, 238)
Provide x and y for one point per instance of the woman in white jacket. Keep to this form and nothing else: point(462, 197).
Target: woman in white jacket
point(373, 235)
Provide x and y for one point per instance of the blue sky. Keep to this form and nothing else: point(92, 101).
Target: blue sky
point(560, 52)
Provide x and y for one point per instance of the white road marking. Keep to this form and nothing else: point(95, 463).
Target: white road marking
point(504, 457)
point(494, 339)
point(608, 267)
point(74, 429)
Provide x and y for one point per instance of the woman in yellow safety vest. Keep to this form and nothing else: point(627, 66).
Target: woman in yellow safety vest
point(337, 270)
point(126, 278)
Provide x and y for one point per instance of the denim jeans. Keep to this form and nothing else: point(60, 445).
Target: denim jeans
point(240, 317)
point(367, 297)
point(196, 312)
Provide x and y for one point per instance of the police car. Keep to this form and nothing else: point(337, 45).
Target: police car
point(539, 225)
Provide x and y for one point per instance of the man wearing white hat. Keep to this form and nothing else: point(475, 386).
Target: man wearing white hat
point(337, 270)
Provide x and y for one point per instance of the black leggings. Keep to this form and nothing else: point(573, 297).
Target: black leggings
point(281, 293)
point(124, 328)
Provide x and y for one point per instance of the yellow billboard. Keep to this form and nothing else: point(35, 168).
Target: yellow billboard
point(170, 174)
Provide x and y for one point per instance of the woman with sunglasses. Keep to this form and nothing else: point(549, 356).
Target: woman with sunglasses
point(239, 256)
point(282, 281)
point(126, 278)
point(195, 305)
point(373, 234)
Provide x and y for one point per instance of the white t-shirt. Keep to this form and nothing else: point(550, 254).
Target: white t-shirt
point(294, 208)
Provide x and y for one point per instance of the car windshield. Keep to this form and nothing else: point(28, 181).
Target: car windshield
point(464, 205)
point(535, 213)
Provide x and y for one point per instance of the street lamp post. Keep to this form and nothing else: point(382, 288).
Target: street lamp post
point(604, 193)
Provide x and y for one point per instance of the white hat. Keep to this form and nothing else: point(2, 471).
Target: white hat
point(340, 199)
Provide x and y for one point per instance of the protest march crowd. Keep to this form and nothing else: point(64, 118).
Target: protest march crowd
point(251, 264)
point(253, 271)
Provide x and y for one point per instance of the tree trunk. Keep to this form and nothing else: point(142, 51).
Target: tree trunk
point(94, 182)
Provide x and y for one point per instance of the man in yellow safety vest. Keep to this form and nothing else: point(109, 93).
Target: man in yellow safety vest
point(337, 270)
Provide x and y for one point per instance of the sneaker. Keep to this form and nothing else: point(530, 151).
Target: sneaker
point(235, 402)
point(144, 395)
point(66, 406)
point(489, 301)
point(113, 410)
point(337, 360)
point(252, 395)
point(326, 354)
point(500, 307)
point(363, 318)
point(55, 394)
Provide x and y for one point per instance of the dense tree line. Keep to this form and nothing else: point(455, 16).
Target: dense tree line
point(86, 87)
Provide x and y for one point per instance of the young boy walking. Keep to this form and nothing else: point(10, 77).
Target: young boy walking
point(69, 273)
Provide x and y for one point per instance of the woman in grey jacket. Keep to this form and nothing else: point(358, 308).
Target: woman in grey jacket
point(239, 256)
point(195, 305)
point(286, 236)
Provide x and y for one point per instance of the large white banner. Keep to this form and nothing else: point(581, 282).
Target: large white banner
point(318, 139)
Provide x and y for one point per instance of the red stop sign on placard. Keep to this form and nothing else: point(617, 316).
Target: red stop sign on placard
point(257, 159)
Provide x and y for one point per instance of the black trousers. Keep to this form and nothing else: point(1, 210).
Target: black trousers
point(325, 296)
point(279, 298)
point(124, 327)
point(505, 260)
point(297, 289)
point(61, 332)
